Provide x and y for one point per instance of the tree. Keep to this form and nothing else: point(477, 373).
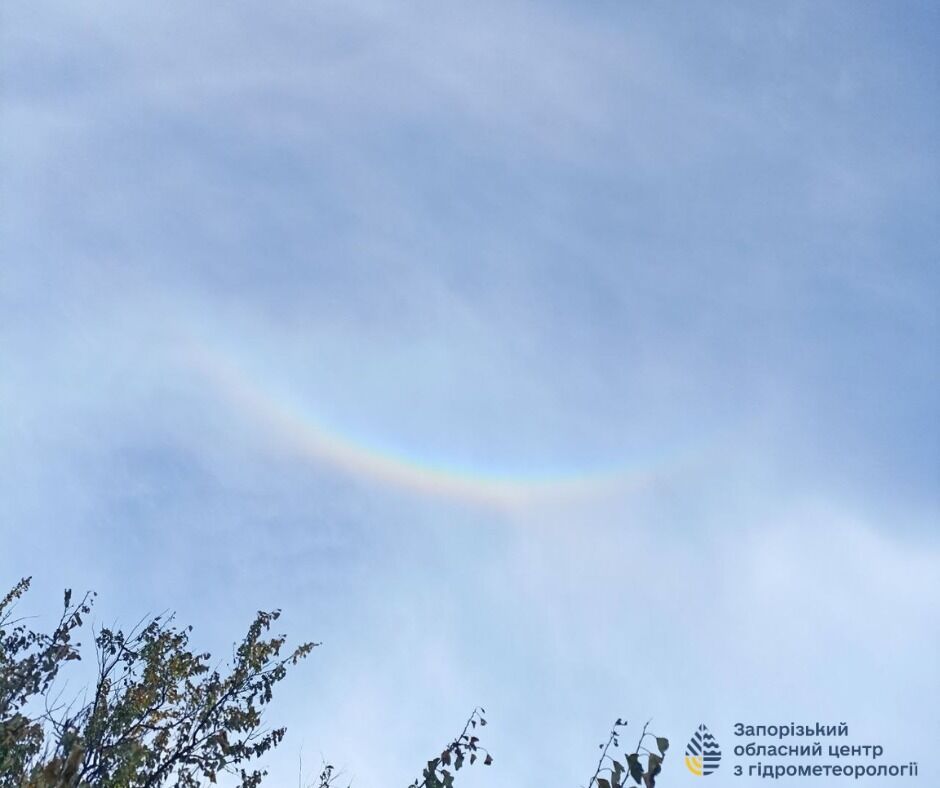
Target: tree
point(159, 713)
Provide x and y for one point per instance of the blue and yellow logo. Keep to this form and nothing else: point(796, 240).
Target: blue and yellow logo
point(702, 755)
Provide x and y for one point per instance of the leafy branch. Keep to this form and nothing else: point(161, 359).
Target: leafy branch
point(466, 747)
point(616, 772)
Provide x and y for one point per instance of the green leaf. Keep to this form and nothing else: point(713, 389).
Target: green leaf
point(662, 743)
point(633, 764)
point(616, 774)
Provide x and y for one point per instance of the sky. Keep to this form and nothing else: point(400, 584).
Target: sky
point(574, 360)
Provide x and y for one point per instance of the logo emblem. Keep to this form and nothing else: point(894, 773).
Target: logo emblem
point(702, 755)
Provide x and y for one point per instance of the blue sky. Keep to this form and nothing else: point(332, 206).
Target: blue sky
point(291, 296)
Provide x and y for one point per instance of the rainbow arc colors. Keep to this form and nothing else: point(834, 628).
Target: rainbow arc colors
point(309, 438)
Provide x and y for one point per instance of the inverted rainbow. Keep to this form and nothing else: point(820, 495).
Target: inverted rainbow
point(307, 437)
